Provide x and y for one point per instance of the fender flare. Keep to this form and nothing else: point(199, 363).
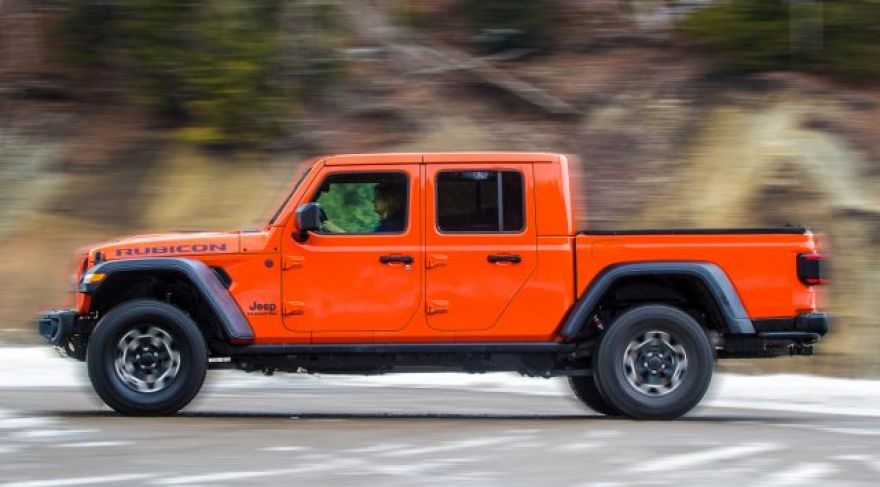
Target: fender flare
point(712, 276)
point(206, 282)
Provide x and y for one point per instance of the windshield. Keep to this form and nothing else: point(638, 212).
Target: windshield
point(299, 181)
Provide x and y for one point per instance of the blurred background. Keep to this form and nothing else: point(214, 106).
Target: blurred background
point(132, 116)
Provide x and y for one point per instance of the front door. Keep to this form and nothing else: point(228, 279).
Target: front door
point(480, 242)
point(363, 271)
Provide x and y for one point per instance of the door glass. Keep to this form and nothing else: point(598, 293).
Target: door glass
point(367, 202)
point(513, 216)
point(480, 201)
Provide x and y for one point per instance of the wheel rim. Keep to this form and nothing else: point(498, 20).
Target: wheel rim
point(147, 359)
point(655, 363)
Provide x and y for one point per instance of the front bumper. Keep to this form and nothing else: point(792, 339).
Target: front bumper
point(65, 330)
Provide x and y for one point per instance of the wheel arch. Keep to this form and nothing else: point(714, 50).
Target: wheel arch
point(187, 283)
point(703, 285)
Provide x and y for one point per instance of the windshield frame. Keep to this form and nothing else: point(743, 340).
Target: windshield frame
point(299, 181)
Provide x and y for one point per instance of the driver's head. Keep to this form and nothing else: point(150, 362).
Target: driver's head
point(387, 199)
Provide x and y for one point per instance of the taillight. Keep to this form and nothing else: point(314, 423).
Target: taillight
point(810, 268)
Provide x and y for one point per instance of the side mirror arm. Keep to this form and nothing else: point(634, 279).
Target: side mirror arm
point(300, 236)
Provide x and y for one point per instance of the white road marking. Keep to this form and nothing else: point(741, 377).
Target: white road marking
point(866, 459)
point(93, 444)
point(578, 446)
point(99, 479)
point(285, 448)
point(832, 429)
point(214, 477)
point(688, 460)
point(414, 469)
point(24, 423)
point(850, 431)
point(51, 433)
point(450, 446)
point(382, 447)
point(800, 474)
point(853, 458)
point(225, 476)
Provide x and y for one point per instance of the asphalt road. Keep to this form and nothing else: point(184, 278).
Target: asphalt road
point(327, 434)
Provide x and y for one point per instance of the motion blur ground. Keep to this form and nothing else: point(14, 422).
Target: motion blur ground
point(494, 429)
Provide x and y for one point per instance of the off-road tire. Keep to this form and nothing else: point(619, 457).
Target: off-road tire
point(101, 357)
point(586, 390)
point(610, 368)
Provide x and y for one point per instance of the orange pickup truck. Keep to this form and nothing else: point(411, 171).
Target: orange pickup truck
point(465, 262)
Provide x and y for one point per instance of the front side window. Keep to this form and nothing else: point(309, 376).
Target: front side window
point(480, 201)
point(365, 202)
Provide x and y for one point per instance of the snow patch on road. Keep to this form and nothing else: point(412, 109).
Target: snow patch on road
point(686, 461)
point(94, 444)
point(98, 479)
point(27, 367)
point(23, 423)
point(51, 433)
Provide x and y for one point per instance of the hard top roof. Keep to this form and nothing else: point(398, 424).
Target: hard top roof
point(440, 157)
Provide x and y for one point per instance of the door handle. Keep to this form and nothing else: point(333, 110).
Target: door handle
point(499, 258)
point(396, 259)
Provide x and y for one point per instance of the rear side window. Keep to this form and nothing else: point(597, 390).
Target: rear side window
point(480, 201)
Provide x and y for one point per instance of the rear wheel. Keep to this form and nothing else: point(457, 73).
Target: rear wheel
point(585, 389)
point(654, 362)
point(146, 357)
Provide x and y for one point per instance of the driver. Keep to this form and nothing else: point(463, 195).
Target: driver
point(388, 202)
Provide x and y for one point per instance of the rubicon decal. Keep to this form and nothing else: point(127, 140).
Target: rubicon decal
point(262, 308)
point(172, 249)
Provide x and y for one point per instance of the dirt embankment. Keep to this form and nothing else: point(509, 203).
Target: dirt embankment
point(663, 142)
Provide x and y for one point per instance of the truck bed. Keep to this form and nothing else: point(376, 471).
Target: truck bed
point(760, 262)
point(701, 231)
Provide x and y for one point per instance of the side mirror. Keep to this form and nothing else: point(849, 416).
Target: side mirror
point(309, 218)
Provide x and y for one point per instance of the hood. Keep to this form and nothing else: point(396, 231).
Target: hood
point(169, 245)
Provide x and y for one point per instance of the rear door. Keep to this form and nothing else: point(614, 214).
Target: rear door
point(480, 242)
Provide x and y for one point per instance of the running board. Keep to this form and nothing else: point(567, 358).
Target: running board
point(379, 348)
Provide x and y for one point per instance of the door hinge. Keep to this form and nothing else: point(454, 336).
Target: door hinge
point(436, 260)
point(294, 308)
point(292, 261)
point(437, 306)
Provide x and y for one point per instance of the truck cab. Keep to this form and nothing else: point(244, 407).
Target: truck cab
point(467, 251)
point(435, 262)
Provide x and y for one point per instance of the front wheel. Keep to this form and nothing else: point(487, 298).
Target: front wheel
point(654, 362)
point(146, 357)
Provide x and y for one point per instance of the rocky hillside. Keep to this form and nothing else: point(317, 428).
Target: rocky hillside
point(664, 140)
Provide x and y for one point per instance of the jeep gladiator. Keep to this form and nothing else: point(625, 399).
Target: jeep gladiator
point(467, 262)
